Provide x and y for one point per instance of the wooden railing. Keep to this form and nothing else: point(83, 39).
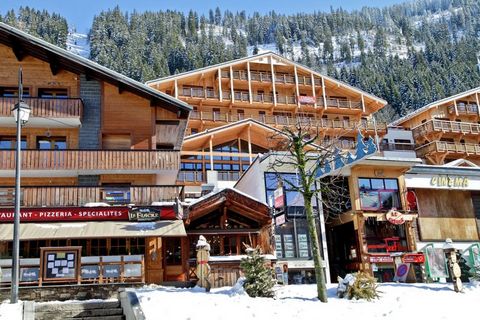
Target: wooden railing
point(77, 196)
point(278, 120)
point(92, 160)
point(451, 147)
point(199, 93)
point(45, 107)
point(464, 109)
point(445, 126)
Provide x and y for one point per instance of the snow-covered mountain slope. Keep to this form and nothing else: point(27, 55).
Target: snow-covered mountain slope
point(78, 44)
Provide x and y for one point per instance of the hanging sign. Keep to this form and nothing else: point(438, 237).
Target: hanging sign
point(306, 99)
point(280, 219)
point(413, 258)
point(278, 197)
point(395, 217)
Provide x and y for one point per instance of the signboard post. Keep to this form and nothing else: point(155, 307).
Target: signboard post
point(60, 264)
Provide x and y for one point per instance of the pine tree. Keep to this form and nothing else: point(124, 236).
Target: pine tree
point(259, 280)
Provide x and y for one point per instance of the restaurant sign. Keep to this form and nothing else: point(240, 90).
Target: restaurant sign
point(143, 214)
point(65, 214)
point(381, 259)
point(395, 217)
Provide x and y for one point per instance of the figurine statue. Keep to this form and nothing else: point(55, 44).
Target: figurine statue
point(203, 269)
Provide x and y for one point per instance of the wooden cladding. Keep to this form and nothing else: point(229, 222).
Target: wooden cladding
point(79, 196)
point(92, 160)
point(45, 107)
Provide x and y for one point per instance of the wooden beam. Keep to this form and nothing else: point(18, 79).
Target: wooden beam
point(249, 144)
point(363, 103)
point(211, 152)
point(232, 92)
point(17, 49)
point(324, 93)
point(220, 95)
point(456, 108)
point(478, 103)
point(249, 83)
point(121, 87)
point(296, 85)
point(313, 90)
point(274, 93)
point(176, 89)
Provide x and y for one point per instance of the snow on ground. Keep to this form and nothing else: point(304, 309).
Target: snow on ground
point(11, 311)
point(398, 301)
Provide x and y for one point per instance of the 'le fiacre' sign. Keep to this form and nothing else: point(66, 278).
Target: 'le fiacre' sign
point(449, 181)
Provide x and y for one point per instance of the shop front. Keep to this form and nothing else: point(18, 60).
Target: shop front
point(104, 244)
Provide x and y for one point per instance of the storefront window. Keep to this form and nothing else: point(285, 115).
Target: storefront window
point(173, 251)
point(98, 247)
point(378, 194)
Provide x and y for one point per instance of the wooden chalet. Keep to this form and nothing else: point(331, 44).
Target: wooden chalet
point(271, 90)
point(100, 156)
point(229, 220)
point(447, 129)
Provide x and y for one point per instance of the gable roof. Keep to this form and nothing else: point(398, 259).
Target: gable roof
point(262, 55)
point(24, 44)
point(434, 104)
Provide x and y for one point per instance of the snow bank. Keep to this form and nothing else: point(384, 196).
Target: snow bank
point(11, 311)
point(398, 301)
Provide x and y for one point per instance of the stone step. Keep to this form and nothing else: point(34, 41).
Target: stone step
point(76, 306)
point(116, 317)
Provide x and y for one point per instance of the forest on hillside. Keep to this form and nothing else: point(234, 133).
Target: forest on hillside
point(409, 54)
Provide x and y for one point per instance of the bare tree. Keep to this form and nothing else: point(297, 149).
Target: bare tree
point(315, 166)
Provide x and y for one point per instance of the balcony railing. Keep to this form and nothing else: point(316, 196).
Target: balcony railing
point(76, 196)
point(339, 103)
point(92, 160)
point(445, 126)
point(261, 76)
point(397, 147)
point(199, 93)
point(463, 149)
point(45, 107)
point(464, 109)
point(284, 78)
point(279, 120)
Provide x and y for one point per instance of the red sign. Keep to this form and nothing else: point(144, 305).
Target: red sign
point(306, 99)
point(278, 198)
point(381, 259)
point(413, 258)
point(395, 217)
point(66, 214)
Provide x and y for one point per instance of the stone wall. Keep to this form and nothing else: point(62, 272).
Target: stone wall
point(91, 94)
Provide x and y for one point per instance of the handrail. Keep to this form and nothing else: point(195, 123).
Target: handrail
point(45, 107)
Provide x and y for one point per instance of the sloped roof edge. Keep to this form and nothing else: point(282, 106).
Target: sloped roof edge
point(92, 66)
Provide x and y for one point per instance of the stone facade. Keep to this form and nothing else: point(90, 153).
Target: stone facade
point(91, 94)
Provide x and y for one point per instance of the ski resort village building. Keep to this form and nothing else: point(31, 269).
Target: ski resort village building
point(239, 110)
point(100, 158)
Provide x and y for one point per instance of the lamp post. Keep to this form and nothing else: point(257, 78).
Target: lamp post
point(21, 112)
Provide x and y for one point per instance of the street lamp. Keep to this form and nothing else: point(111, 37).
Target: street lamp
point(21, 112)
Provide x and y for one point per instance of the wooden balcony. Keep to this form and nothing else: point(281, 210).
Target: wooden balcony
point(276, 120)
point(442, 126)
point(450, 148)
point(340, 103)
point(45, 111)
point(77, 196)
point(93, 161)
point(464, 109)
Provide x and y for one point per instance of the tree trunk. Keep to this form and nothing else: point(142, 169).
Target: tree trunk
point(317, 258)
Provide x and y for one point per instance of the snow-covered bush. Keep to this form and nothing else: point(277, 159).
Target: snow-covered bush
point(475, 273)
point(259, 280)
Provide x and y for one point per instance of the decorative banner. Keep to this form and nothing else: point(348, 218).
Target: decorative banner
point(395, 217)
point(413, 258)
point(306, 99)
point(65, 214)
point(402, 272)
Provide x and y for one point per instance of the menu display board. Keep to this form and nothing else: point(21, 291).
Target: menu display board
point(111, 271)
point(60, 264)
point(278, 246)
point(90, 272)
point(289, 246)
point(303, 245)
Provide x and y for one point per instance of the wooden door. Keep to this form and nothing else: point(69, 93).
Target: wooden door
point(154, 260)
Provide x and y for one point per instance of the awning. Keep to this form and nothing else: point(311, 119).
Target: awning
point(97, 229)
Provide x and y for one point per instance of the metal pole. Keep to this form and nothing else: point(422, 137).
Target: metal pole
point(16, 224)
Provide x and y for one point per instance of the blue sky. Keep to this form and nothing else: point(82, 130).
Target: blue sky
point(81, 12)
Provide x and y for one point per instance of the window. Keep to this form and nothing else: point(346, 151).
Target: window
point(116, 193)
point(51, 143)
point(240, 114)
point(173, 251)
point(9, 143)
point(378, 194)
point(13, 92)
point(293, 199)
point(53, 93)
